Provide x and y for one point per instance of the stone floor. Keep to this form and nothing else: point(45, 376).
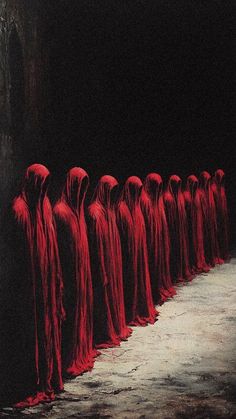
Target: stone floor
point(184, 366)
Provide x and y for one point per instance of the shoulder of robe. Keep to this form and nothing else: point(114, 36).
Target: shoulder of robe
point(214, 188)
point(167, 197)
point(19, 209)
point(144, 200)
point(61, 210)
point(123, 214)
point(187, 196)
point(47, 207)
point(122, 209)
point(202, 193)
point(95, 211)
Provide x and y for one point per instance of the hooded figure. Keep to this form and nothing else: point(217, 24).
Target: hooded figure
point(211, 246)
point(109, 311)
point(178, 229)
point(77, 337)
point(157, 238)
point(218, 188)
point(38, 283)
point(195, 226)
point(139, 304)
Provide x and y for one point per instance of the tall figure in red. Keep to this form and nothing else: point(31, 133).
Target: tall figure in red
point(178, 229)
point(77, 338)
point(158, 242)
point(218, 188)
point(211, 245)
point(109, 311)
point(195, 226)
point(139, 304)
point(38, 307)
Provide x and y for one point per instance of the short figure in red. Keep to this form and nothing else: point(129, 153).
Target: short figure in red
point(39, 309)
point(218, 187)
point(211, 245)
point(195, 226)
point(77, 337)
point(109, 312)
point(158, 242)
point(139, 304)
point(178, 230)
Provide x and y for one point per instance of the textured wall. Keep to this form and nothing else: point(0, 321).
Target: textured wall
point(22, 72)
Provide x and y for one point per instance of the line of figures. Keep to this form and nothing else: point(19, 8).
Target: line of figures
point(81, 277)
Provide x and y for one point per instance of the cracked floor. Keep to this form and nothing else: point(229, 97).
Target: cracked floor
point(184, 366)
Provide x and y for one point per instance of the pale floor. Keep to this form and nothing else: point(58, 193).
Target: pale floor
point(184, 366)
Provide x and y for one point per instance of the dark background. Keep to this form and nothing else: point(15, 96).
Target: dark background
point(140, 86)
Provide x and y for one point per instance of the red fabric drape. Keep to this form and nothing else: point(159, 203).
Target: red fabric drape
point(195, 227)
point(177, 223)
point(110, 322)
point(218, 188)
point(69, 211)
point(140, 308)
point(33, 213)
point(211, 245)
point(157, 238)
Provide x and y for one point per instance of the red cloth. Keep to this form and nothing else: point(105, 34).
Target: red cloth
point(157, 238)
point(109, 309)
point(33, 214)
point(139, 304)
point(195, 227)
point(177, 223)
point(211, 245)
point(78, 351)
point(218, 189)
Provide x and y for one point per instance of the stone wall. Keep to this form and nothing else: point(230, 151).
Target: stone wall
point(23, 71)
point(22, 22)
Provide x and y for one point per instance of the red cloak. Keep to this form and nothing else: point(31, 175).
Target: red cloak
point(109, 310)
point(211, 245)
point(195, 226)
point(77, 338)
point(42, 296)
point(218, 188)
point(178, 229)
point(157, 238)
point(139, 304)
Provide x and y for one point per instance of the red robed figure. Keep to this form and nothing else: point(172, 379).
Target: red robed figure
point(211, 245)
point(218, 187)
point(41, 297)
point(178, 229)
point(157, 238)
point(195, 225)
point(77, 338)
point(109, 312)
point(139, 304)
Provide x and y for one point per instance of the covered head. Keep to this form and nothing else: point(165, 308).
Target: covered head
point(35, 183)
point(219, 176)
point(153, 185)
point(204, 178)
point(76, 186)
point(175, 184)
point(132, 190)
point(106, 190)
point(192, 183)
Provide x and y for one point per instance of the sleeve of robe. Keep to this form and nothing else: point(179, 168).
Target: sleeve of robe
point(69, 289)
point(98, 280)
